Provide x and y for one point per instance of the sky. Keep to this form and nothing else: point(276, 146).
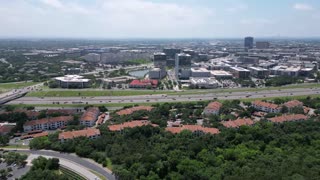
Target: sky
point(159, 18)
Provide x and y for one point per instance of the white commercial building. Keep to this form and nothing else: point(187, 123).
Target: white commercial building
point(208, 83)
point(286, 71)
point(200, 72)
point(72, 81)
point(157, 73)
point(220, 74)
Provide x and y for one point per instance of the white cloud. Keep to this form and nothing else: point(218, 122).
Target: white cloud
point(237, 8)
point(302, 7)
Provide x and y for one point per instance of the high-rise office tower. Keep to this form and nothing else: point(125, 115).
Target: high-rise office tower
point(248, 42)
point(182, 65)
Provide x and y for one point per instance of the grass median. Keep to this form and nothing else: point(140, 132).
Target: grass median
point(98, 92)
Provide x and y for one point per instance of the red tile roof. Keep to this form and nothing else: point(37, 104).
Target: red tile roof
point(74, 134)
point(101, 118)
point(192, 128)
point(293, 103)
point(214, 106)
point(49, 120)
point(136, 82)
point(5, 129)
point(90, 114)
point(42, 134)
point(266, 104)
point(291, 117)
point(131, 124)
point(133, 109)
point(62, 111)
point(237, 123)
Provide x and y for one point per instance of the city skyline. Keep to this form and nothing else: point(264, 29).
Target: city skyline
point(158, 19)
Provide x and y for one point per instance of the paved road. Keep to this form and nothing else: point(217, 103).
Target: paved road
point(75, 159)
point(69, 165)
point(167, 98)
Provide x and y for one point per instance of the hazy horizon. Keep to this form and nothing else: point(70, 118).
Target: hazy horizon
point(159, 19)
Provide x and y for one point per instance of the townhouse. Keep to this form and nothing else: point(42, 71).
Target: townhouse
point(47, 123)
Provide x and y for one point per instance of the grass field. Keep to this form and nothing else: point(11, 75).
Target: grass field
point(16, 147)
point(93, 93)
point(9, 86)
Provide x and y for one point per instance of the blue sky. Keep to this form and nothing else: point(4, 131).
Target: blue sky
point(159, 18)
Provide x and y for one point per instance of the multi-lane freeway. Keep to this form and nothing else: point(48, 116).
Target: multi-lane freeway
point(167, 98)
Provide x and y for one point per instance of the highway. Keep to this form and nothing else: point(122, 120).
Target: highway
point(167, 98)
point(74, 159)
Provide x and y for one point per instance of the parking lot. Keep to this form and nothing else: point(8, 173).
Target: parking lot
point(13, 171)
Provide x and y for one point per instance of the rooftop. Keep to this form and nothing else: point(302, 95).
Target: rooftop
point(291, 117)
point(72, 78)
point(193, 128)
point(133, 109)
point(214, 105)
point(74, 134)
point(237, 123)
point(131, 124)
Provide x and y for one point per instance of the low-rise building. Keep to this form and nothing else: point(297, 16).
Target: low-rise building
point(131, 124)
point(47, 123)
point(285, 71)
point(207, 83)
point(143, 84)
point(237, 123)
point(6, 128)
point(286, 118)
point(259, 72)
point(220, 74)
point(72, 81)
point(293, 104)
point(200, 72)
point(266, 107)
point(128, 111)
point(89, 133)
point(90, 117)
point(195, 129)
point(240, 72)
point(213, 108)
point(157, 73)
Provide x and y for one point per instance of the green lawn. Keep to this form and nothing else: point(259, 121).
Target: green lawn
point(92, 93)
point(16, 85)
point(16, 147)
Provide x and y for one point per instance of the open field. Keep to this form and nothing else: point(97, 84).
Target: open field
point(92, 93)
point(16, 85)
point(97, 92)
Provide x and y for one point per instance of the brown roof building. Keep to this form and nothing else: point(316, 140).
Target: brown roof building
point(212, 108)
point(42, 134)
point(89, 133)
point(237, 123)
point(286, 118)
point(293, 104)
point(133, 109)
point(266, 106)
point(47, 123)
point(90, 117)
point(131, 124)
point(197, 129)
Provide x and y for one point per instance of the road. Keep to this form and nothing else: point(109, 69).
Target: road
point(16, 93)
point(167, 98)
point(74, 159)
point(82, 171)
